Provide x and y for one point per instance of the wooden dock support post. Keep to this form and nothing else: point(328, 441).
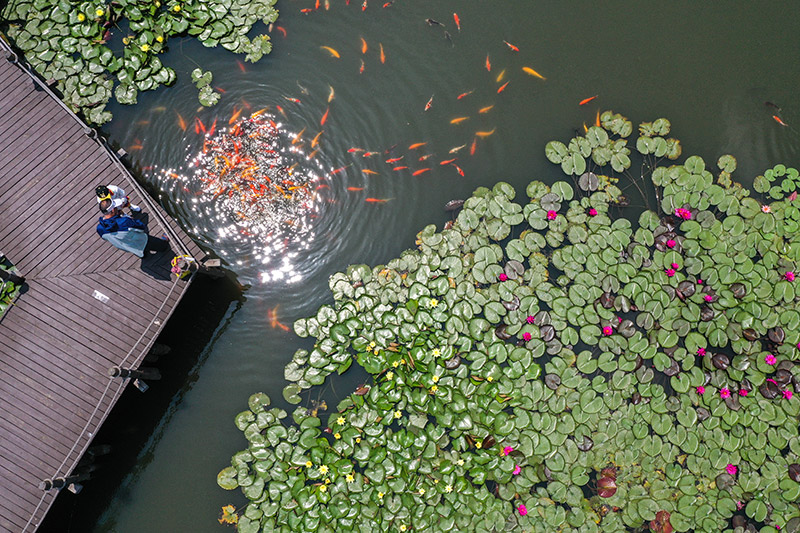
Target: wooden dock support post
point(70, 482)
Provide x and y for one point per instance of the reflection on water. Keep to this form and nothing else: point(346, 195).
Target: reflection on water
point(254, 188)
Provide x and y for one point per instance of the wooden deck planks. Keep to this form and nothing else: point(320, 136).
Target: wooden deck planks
point(58, 341)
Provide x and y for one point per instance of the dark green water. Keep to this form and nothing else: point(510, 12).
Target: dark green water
point(708, 68)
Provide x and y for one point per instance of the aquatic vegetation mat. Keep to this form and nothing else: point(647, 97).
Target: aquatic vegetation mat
point(551, 365)
point(71, 43)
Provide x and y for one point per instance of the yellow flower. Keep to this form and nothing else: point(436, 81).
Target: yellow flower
point(436, 352)
point(358, 440)
point(176, 8)
point(81, 17)
point(389, 375)
point(395, 364)
point(323, 488)
point(323, 469)
point(489, 379)
point(160, 39)
point(422, 492)
point(376, 351)
point(349, 478)
point(371, 345)
point(340, 420)
point(402, 361)
point(309, 464)
point(460, 462)
point(448, 489)
point(398, 414)
point(100, 12)
point(478, 444)
point(433, 302)
point(402, 527)
point(380, 495)
point(435, 481)
point(145, 47)
point(435, 379)
point(327, 481)
point(434, 388)
point(337, 435)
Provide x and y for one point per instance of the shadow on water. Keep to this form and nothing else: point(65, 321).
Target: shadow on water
point(202, 316)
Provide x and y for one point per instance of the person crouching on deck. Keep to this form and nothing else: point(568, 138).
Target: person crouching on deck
point(127, 233)
point(117, 197)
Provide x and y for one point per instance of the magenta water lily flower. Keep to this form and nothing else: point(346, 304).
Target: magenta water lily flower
point(731, 469)
point(769, 359)
point(787, 394)
point(517, 470)
point(507, 450)
point(526, 336)
point(685, 214)
point(530, 319)
point(772, 381)
point(675, 266)
point(592, 212)
point(701, 352)
point(671, 243)
point(742, 392)
point(522, 510)
point(670, 272)
point(608, 330)
point(699, 281)
point(788, 275)
point(708, 298)
point(724, 393)
point(701, 390)
point(502, 277)
point(551, 215)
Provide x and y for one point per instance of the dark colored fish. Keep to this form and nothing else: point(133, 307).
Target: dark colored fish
point(447, 36)
point(432, 22)
point(774, 106)
point(453, 205)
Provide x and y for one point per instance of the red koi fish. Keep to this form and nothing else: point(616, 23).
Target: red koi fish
point(448, 161)
point(282, 30)
point(394, 159)
point(488, 63)
point(364, 6)
point(503, 87)
point(420, 171)
point(457, 21)
point(212, 128)
point(399, 168)
point(429, 104)
point(241, 66)
point(473, 146)
point(336, 171)
point(511, 46)
point(779, 121)
point(377, 200)
point(324, 117)
point(351, 150)
point(355, 188)
point(458, 168)
point(462, 95)
point(199, 126)
point(361, 69)
point(587, 100)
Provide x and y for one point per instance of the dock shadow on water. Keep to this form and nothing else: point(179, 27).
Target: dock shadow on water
point(127, 436)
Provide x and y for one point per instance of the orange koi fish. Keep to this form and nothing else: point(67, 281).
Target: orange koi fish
point(236, 113)
point(291, 99)
point(462, 95)
point(488, 63)
point(331, 51)
point(323, 186)
point(529, 70)
point(597, 119)
point(273, 319)
point(136, 146)
point(587, 100)
point(220, 89)
point(511, 46)
point(316, 5)
point(420, 171)
point(306, 10)
point(429, 104)
point(486, 109)
point(259, 112)
point(416, 145)
point(399, 168)
point(448, 161)
point(361, 69)
point(369, 172)
point(351, 150)
point(280, 109)
point(298, 136)
point(377, 200)
point(458, 120)
point(503, 87)
point(315, 140)
point(370, 154)
point(313, 154)
point(363, 46)
point(324, 117)
point(241, 66)
point(779, 121)
point(331, 95)
point(585, 128)
point(501, 76)
point(458, 22)
point(199, 126)
point(355, 188)
point(473, 146)
point(336, 171)
point(383, 56)
point(387, 4)
point(394, 159)
point(282, 30)
point(212, 128)
point(143, 123)
point(181, 122)
point(458, 168)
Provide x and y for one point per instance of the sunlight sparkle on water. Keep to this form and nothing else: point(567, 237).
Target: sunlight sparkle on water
point(254, 185)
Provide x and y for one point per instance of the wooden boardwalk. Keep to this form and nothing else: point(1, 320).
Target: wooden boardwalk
point(86, 306)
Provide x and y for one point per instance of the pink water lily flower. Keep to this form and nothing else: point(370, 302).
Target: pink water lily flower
point(530, 319)
point(701, 390)
point(742, 392)
point(526, 336)
point(608, 330)
point(724, 393)
point(772, 381)
point(699, 281)
point(502, 277)
point(670, 272)
point(708, 298)
point(788, 275)
point(517, 470)
point(592, 212)
point(507, 450)
point(671, 243)
point(701, 352)
point(685, 214)
point(522, 510)
point(675, 266)
point(731, 469)
point(551, 215)
point(769, 359)
point(765, 209)
point(787, 394)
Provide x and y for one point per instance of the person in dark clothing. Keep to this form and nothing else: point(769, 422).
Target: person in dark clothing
point(126, 233)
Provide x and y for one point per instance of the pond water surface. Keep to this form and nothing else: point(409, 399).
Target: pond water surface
point(708, 68)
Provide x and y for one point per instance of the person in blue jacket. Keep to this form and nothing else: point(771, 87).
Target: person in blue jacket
point(127, 233)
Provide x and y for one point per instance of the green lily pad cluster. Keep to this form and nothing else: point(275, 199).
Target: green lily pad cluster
point(66, 41)
point(553, 366)
point(8, 289)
